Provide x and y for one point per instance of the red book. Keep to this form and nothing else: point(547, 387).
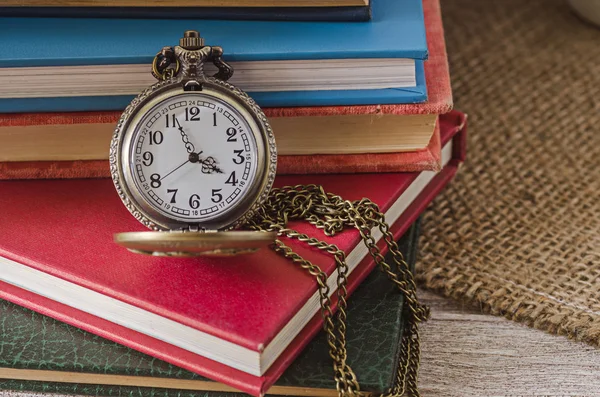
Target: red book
point(240, 321)
point(439, 102)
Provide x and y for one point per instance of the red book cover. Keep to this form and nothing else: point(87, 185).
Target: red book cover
point(439, 102)
point(56, 248)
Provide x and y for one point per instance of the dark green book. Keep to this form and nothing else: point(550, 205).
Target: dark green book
point(40, 354)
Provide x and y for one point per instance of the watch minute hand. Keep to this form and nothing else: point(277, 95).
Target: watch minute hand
point(174, 170)
point(186, 140)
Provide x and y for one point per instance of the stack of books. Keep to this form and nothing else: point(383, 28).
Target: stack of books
point(362, 108)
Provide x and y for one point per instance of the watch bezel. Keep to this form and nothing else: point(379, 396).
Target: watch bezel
point(120, 155)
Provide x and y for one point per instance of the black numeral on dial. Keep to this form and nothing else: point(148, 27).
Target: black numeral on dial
point(232, 179)
point(231, 132)
point(192, 114)
point(173, 120)
point(148, 159)
point(174, 194)
point(195, 201)
point(156, 138)
point(240, 158)
point(214, 119)
point(155, 181)
point(216, 196)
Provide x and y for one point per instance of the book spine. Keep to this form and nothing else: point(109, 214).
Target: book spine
point(333, 14)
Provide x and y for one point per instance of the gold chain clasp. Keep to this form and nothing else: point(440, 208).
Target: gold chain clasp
point(161, 63)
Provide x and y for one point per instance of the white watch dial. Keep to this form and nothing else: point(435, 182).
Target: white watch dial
point(193, 157)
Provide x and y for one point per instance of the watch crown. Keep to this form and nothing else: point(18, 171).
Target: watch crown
point(191, 40)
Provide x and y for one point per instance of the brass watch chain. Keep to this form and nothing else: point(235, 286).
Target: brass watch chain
point(332, 214)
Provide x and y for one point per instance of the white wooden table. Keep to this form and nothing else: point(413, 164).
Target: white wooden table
point(467, 353)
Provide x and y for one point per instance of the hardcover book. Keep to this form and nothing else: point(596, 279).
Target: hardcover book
point(278, 63)
point(239, 321)
point(40, 354)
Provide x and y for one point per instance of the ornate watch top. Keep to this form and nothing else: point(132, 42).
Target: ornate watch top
point(187, 60)
point(192, 153)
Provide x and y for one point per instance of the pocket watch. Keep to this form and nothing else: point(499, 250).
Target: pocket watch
point(193, 157)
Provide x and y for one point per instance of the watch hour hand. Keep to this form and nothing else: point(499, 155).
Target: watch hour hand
point(209, 165)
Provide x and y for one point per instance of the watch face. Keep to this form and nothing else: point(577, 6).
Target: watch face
point(193, 157)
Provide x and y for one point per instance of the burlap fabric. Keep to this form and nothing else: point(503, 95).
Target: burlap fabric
point(518, 230)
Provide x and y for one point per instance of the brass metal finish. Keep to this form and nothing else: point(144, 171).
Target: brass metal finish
point(185, 244)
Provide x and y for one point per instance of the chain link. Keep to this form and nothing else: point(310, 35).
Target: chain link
point(332, 214)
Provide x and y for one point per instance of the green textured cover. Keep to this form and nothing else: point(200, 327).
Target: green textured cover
point(29, 340)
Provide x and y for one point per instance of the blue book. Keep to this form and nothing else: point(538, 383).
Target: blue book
point(305, 63)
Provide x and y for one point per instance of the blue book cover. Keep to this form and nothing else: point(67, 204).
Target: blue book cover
point(397, 30)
